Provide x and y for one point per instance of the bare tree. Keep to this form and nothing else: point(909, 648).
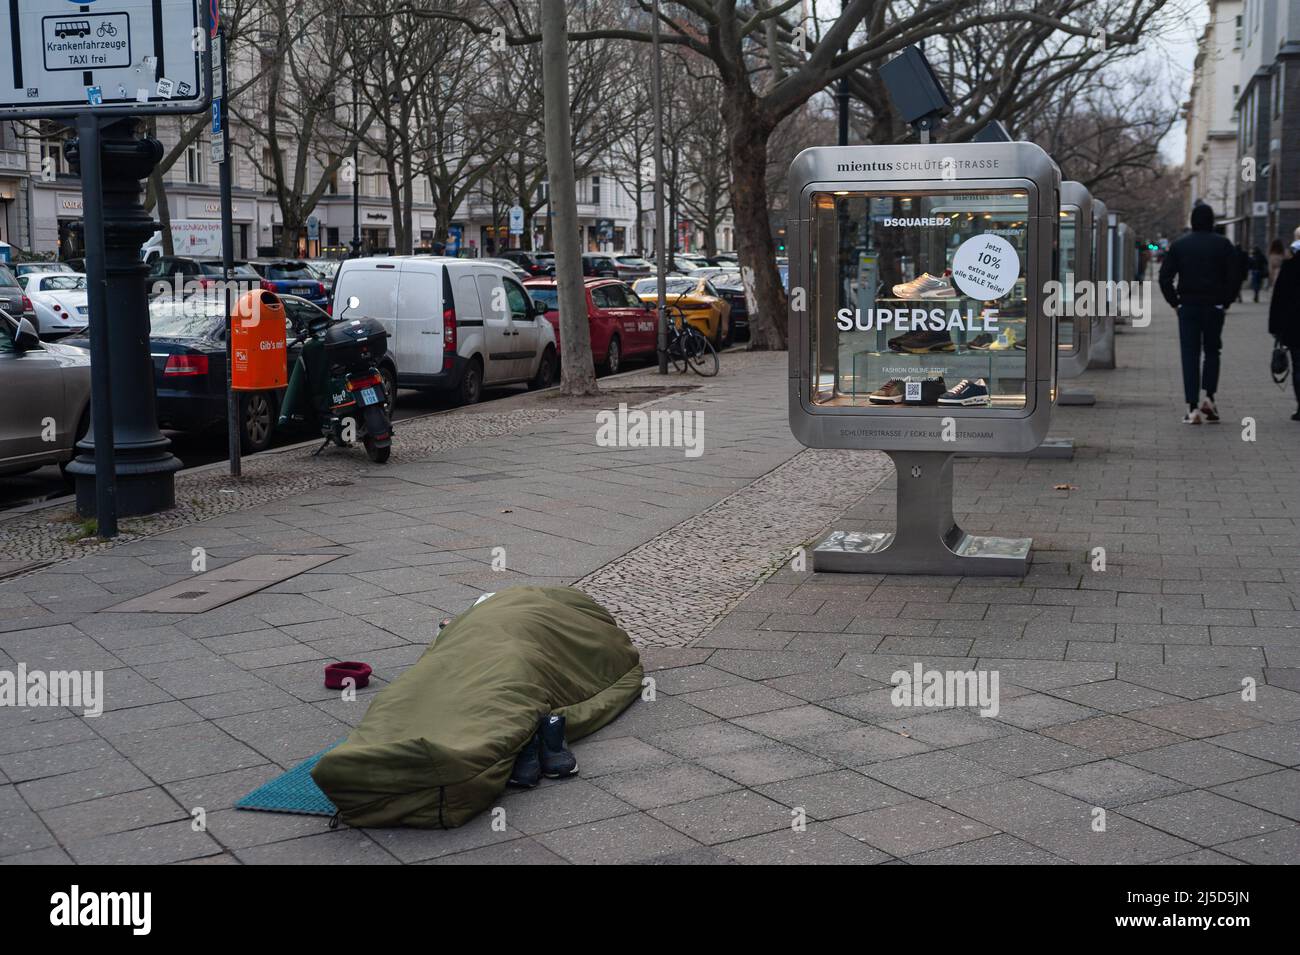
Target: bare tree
point(578, 376)
point(757, 93)
point(302, 131)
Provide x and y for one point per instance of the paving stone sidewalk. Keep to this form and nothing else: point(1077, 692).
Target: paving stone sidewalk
point(1121, 690)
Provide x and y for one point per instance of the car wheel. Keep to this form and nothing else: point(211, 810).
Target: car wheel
point(390, 389)
point(545, 376)
point(471, 383)
point(614, 357)
point(256, 422)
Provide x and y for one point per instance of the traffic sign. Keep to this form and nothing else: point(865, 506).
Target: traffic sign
point(516, 220)
point(137, 57)
point(217, 151)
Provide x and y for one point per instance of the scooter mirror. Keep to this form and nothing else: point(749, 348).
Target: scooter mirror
point(353, 301)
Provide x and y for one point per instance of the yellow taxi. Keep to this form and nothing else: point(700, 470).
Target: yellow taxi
point(699, 301)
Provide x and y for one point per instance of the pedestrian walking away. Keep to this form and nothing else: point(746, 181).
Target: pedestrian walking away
point(1276, 256)
point(1243, 266)
point(1258, 269)
point(1284, 319)
point(1199, 278)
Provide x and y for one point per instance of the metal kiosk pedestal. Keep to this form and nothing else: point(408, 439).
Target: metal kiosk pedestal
point(926, 538)
point(919, 327)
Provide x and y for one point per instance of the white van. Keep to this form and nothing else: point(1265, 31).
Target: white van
point(453, 324)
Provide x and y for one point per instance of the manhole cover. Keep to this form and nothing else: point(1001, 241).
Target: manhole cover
point(217, 587)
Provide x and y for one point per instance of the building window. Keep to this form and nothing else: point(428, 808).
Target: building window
point(194, 165)
point(1236, 38)
point(595, 189)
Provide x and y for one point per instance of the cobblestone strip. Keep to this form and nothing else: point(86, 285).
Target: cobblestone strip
point(56, 533)
point(675, 587)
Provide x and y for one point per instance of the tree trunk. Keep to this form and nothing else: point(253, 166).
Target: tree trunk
point(163, 210)
point(578, 371)
point(747, 136)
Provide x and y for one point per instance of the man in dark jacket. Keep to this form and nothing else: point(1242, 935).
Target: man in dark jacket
point(1284, 318)
point(1200, 277)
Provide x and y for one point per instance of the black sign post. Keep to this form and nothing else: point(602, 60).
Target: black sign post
point(92, 191)
point(221, 154)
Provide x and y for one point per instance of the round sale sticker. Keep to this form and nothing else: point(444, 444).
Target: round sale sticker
point(985, 267)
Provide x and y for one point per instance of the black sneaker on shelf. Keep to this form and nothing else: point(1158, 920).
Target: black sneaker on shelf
point(527, 771)
point(981, 341)
point(967, 393)
point(920, 343)
point(557, 760)
point(931, 390)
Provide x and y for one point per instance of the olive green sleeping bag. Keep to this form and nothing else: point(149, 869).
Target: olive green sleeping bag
point(436, 747)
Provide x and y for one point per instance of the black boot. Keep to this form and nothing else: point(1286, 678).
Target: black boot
point(557, 761)
point(527, 771)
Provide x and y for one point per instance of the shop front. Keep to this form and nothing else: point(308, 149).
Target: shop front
point(919, 328)
point(1074, 330)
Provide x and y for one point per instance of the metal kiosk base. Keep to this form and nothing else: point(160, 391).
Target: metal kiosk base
point(927, 539)
point(1081, 397)
point(1054, 448)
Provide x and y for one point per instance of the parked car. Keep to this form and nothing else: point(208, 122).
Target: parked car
point(700, 302)
point(622, 326)
point(293, 277)
point(204, 272)
point(454, 324)
point(40, 380)
point(25, 268)
point(13, 299)
point(731, 286)
point(686, 261)
point(325, 270)
point(58, 301)
point(534, 263)
point(612, 265)
point(518, 271)
point(188, 343)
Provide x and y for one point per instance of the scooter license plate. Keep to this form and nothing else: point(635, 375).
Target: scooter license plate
point(370, 396)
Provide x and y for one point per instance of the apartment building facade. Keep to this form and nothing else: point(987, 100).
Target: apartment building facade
point(1210, 166)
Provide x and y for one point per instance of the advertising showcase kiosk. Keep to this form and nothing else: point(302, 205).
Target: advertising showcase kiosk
point(918, 328)
point(1102, 354)
point(1074, 333)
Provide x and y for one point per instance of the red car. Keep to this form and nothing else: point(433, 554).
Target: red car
point(622, 326)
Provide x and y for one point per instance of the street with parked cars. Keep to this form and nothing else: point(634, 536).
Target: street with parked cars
point(460, 329)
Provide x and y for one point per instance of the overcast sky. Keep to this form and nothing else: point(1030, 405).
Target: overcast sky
point(1178, 53)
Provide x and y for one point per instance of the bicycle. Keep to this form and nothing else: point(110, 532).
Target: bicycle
point(106, 29)
point(687, 346)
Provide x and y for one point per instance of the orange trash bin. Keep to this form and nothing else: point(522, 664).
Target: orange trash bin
point(258, 343)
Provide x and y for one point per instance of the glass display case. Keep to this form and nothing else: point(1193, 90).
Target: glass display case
point(928, 299)
point(1102, 347)
point(1073, 333)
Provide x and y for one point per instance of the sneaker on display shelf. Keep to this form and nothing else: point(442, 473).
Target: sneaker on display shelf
point(925, 285)
point(890, 393)
point(967, 393)
point(921, 342)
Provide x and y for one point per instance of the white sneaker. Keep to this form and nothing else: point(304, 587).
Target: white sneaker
point(1192, 417)
point(925, 285)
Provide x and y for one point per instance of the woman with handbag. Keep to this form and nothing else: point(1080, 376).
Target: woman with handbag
point(1284, 325)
